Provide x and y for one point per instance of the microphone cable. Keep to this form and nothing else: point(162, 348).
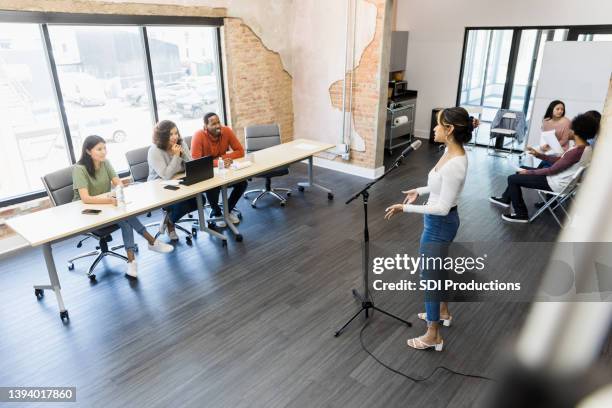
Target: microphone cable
point(414, 379)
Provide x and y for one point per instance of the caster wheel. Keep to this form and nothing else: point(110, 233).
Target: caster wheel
point(330, 196)
point(289, 194)
point(301, 188)
point(194, 232)
point(212, 225)
point(283, 203)
point(64, 316)
point(80, 244)
point(239, 238)
point(92, 277)
point(70, 266)
point(136, 248)
point(253, 205)
point(224, 243)
point(239, 215)
point(189, 241)
point(39, 293)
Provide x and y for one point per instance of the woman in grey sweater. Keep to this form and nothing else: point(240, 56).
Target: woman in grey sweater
point(166, 158)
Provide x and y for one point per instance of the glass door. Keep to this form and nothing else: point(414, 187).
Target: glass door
point(484, 74)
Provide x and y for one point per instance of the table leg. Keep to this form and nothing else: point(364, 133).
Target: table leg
point(226, 213)
point(202, 221)
point(54, 280)
point(311, 183)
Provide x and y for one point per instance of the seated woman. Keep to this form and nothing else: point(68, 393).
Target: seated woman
point(555, 119)
point(92, 179)
point(166, 159)
point(554, 178)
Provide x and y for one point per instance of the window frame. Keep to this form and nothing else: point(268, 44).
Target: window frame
point(141, 22)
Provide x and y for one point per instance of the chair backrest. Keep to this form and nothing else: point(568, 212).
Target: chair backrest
point(574, 182)
point(59, 186)
point(188, 141)
point(137, 161)
point(259, 137)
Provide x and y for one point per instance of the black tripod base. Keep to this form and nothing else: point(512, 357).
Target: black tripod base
point(366, 305)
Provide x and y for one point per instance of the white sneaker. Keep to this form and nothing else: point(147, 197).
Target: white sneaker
point(161, 247)
point(233, 218)
point(132, 271)
point(173, 235)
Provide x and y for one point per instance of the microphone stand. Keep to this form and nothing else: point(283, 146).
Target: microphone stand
point(366, 300)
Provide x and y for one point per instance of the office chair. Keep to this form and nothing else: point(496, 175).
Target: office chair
point(259, 137)
point(59, 189)
point(139, 169)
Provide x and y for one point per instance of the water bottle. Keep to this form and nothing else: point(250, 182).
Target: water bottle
point(119, 195)
point(221, 165)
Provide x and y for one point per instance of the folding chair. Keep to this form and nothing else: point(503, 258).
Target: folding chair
point(553, 200)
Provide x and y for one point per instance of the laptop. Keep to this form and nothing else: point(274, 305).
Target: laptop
point(198, 170)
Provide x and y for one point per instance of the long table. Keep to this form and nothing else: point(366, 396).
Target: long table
point(46, 227)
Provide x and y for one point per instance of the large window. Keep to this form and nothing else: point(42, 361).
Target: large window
point(32, 137)
point(113, 76)
point(501, 67)
point(185, 70)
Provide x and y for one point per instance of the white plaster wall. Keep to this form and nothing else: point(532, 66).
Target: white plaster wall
point(319, 38)
point(436, 37)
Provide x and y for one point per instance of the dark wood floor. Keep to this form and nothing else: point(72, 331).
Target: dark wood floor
point(252, 325)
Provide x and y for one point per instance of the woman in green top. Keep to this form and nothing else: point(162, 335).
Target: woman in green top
point(92, 178)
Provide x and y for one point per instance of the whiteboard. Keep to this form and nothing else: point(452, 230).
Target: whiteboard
point(576, 72)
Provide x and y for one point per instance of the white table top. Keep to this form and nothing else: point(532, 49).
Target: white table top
point(57, 223)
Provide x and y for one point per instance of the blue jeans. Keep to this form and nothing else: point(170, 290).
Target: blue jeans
point(127, 231)
point(438, 232)
point(178, 210)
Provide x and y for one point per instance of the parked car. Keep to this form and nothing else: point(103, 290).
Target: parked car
point(108, 128)
point(194, 104)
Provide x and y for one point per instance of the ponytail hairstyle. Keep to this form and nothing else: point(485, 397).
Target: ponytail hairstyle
point(461, 121)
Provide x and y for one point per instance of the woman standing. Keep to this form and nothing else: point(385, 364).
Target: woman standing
point(441, 219)
point(92, 180)
point(166, 159)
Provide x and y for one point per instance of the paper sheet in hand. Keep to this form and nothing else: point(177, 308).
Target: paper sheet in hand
point(306, 146)
point(548, 137)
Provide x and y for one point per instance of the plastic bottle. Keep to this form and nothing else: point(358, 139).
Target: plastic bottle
point(221, 165)
point(119, 195)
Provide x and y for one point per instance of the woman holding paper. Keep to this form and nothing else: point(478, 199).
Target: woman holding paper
point(441, 219)
point(554, 178)
point(166, 159)
point(555, 120)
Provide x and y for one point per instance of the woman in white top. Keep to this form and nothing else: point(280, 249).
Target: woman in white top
point(441, 219)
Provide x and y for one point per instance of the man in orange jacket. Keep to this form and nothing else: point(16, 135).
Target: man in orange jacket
point(215, 140)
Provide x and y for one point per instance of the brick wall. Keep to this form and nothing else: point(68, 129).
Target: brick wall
point(366, 93)
point(259, 88)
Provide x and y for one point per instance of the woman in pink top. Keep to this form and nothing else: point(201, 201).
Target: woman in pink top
point(554, 119)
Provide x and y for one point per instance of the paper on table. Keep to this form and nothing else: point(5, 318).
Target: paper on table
point(237, 165)
point(548, 137)
point(306, 146)
point(171, 182)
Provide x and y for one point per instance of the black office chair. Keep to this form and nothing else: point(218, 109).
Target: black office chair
point(59, 188)
point(259, 137)
point(139, 169)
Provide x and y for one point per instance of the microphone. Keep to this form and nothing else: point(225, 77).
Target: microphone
point(413, 146)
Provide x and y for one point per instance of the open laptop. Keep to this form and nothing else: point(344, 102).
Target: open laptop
point(198, 170)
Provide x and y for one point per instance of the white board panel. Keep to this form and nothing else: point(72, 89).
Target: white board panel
point(578, 73)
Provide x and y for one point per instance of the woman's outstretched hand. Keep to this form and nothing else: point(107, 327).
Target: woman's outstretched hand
point(394, 209)
point(411, 196)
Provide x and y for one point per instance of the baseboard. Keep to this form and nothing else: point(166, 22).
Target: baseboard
point(421, 133)
point(348, 168)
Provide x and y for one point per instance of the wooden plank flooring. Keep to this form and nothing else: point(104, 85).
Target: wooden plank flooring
point(252, 325)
